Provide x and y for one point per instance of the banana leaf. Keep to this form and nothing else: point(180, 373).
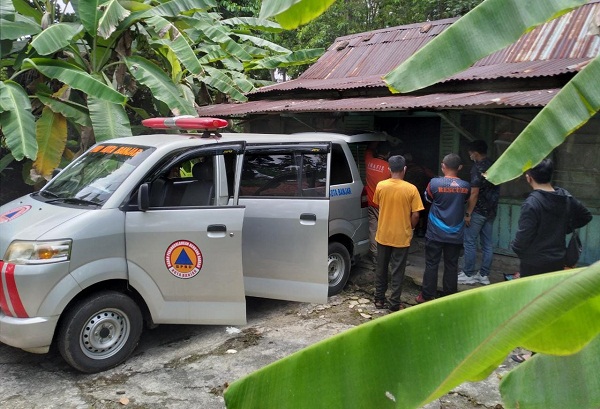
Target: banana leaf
point(175, 7)
point(7, 10)
point(70, 110)
point(220, 81)
point(489, 27)
point(176, 42)
point(207, 28)
point(89, 13)
point(6, 160)
point(287, 60)
point(254, 23)
point(561, 381)
point(75, 77)
point(412, 357)
point(571, 108)
point(113, 14)
point(20, 27)
point(51, 136)
point(163, 89)
point(236, 50)
point(293, 13)
point(17, 121)
point(55, 38)
point(260, 42)
point(108, 120)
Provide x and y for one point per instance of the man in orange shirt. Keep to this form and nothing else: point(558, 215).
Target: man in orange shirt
point(399, 206)
point(376, 170)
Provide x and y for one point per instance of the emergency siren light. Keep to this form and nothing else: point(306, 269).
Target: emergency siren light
point(207, 125)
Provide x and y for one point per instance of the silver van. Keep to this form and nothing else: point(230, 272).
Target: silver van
point(176, 229)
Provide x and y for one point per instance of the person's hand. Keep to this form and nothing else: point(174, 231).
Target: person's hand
point(468, 220)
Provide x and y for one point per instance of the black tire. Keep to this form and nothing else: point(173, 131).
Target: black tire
point(100, 332)
point(338, 267)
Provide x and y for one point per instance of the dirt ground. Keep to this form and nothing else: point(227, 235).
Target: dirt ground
point(179, 366)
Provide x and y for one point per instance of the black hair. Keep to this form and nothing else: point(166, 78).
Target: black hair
point(542, 173)
point(452, 161)
point(478, 146)
point(397, 163)
point(383, 148)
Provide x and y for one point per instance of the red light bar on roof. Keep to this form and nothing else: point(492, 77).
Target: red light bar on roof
point(185, 122)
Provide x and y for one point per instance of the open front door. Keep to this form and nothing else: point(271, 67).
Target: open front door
point(285, 191)
point(185, 252)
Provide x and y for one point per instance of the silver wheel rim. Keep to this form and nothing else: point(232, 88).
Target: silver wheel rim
point(336, 267)
point(105, 333)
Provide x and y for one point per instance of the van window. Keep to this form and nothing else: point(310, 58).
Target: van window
point(340, 170)
point(95, 176)
point(284, 175)
point(187, 183)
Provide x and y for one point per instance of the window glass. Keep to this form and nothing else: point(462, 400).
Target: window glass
point(187, 183)
point(340, 170)
point(284, 175)
point(96, 175)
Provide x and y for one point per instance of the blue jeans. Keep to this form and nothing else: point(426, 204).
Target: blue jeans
point(480, 227)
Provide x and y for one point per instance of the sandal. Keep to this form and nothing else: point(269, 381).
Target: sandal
point(520, 358)
point(380, 304)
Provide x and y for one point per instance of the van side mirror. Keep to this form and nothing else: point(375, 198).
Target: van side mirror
point(143, 198)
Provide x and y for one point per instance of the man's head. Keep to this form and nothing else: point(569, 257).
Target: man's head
point(383, 149)
point(451, 163)
point(397, 163)
point(477, 149)
point(542, 173)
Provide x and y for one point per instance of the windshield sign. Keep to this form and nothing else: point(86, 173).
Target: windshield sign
point(94, 177)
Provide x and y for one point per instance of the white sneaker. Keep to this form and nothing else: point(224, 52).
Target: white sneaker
point(465, 279)
point(484, 280)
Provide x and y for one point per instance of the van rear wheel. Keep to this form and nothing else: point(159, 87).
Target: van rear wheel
point(338, 265)
point(100, 331)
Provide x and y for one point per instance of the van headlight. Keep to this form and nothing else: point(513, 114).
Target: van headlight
point(38, 252)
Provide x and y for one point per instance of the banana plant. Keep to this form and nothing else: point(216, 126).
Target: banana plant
point(407, 359)
point(120, 61)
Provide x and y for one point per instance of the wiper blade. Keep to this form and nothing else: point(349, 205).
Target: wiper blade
point(75, 200)
point(47, 193)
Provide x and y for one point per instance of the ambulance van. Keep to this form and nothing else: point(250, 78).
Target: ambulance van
point(177, 229)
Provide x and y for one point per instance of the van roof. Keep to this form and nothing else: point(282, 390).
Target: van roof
point(193, 139)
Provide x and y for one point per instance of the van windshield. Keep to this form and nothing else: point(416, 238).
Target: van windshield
point(95, 176)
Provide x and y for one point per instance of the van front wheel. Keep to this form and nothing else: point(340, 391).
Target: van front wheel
point(100, 331)
point(338, 264)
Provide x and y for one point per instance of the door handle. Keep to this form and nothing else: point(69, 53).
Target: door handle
point(308, 219)
point(217, 230)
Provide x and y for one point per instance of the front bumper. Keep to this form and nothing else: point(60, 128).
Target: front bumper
point(30, 334)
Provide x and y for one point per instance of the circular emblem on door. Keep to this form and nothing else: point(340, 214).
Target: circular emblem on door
point(183, 259)
point(14, 213)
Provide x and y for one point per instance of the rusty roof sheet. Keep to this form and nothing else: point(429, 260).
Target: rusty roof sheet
point(464, 100)
point(360, 60)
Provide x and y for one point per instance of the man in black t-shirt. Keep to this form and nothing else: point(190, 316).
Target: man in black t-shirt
point(479, 217)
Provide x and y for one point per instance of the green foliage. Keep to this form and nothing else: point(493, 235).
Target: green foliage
point(571, 108)
point(124, 60)
point(379, 364)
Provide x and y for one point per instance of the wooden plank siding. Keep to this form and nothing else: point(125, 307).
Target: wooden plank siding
point(506, 225)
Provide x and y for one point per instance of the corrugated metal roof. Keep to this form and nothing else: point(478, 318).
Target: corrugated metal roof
point(360, 60)
point(472, 100)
